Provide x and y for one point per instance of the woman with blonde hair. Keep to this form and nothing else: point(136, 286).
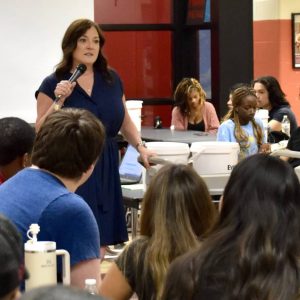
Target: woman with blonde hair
point(177, 211)
point(192, 111)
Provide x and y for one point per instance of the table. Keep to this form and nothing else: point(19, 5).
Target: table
point(167, 135)
point(132, 197)
point(133, 194)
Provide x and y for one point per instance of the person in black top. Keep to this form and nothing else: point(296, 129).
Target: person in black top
point(253, 250)
point(271, 97)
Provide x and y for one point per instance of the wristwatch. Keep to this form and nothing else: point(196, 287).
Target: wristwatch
point(140, 143)
point(56, 106)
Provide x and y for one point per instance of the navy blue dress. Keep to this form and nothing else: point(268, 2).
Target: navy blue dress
point(102, 191)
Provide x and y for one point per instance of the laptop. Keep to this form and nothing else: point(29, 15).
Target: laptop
point(130, 169)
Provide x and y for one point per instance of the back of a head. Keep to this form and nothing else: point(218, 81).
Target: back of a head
point(236, 86)
point(58, 292)
point(258, 192)
point(176, 211)
point(253, 250)
point(68, 142)
point(16, 139)
point(177, 202)
point(11, 257)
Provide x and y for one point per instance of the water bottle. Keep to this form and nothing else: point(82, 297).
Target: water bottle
point(285, 125)
point(91, 286)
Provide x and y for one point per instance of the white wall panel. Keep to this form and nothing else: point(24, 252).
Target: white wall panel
point(31, 33)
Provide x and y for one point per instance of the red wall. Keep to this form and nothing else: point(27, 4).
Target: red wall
point(133, 11)
point(273, 56)
point(142, 58)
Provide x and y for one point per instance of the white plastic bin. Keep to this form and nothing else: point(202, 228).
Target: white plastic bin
point(214, 157)
point(263, 115)
point(177, 153)
point(134, 108)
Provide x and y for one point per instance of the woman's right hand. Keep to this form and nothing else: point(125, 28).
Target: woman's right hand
point(64, 89)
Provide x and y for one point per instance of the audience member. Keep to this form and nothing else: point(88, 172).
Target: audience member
point(271, 97)
point(231, 90)
point(64, 154)
point(294, 145)
point(240, 125)
point(253, 250)
point(192, 111)
point(58, 292)
point(16, 140)
point(176, 212)
point(12, 270)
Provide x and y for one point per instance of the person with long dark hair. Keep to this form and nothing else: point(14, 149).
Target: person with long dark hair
point(253, 250)
point(271, 97)
point(177, 211)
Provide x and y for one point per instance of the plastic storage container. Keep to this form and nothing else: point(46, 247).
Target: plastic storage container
point(134, 108)
point(167, 152)
point(174, 152)
point(209, 158)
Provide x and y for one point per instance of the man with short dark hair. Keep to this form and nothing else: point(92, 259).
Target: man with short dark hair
point(16, 140)
point(64, 154)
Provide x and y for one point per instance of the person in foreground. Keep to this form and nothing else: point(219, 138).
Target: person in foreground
point(240, 125)
point(100, 91)
point(192, 111)
point(16, 141)
point(253, 250)
point(64, 155)
point(177, 211)
point(59, 292)
point(271, 97)
point(12, 270)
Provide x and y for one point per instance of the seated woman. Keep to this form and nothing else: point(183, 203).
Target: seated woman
point(271, 97)
point(176, 212)
point(191, 111)
point(240, 125)
point(254, 248)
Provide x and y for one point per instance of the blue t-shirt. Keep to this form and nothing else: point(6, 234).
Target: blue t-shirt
point(36, 196)
point(226, 134)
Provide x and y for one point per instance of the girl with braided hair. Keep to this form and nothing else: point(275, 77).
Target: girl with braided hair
point(240, 125)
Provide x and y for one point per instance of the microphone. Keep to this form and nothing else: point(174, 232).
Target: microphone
point(80, 69)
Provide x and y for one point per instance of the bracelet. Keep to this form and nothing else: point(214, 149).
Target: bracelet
point(140, 143)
